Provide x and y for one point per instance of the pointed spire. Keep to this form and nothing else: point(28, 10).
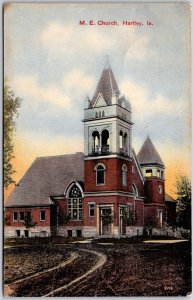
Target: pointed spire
point(148, 154)
point(107, 85)
point(107, 64)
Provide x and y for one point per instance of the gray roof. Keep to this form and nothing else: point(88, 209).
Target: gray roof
point(169, 198)
point(148, 154)
point(107, 86)
point(47, 176)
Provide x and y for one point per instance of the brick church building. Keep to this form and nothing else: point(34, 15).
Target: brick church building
point(106, 191)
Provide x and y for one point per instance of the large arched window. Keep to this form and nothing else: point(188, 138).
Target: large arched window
point(105, 141)
point(95, 144)
point(75, 202)
point(124, 175)
point(100, 173)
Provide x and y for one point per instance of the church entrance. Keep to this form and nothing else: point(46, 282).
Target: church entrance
point(106, 221)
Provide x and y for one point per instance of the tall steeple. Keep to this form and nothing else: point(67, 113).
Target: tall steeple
point(107, 119)
point(107, 86)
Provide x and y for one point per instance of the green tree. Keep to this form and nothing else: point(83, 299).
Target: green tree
point(28, 221)
point(10, 109)
point(63, 218)
point(151, 222)
point(183, 210)
point(130, 219)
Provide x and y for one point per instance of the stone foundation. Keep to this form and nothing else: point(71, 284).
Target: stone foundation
point(131, 231)
point(77, 231)
point(13, 232)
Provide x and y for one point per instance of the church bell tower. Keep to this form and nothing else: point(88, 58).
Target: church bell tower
point(107, 136)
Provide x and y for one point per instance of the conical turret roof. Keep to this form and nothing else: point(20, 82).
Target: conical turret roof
point(148, 154)
point(107, 85)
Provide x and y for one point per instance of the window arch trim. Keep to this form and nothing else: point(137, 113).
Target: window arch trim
point(70, 185)
point(99, 164)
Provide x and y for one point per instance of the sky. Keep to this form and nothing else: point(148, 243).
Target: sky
point(53, 63)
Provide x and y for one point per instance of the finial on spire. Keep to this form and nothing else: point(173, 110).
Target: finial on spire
point(107, 65)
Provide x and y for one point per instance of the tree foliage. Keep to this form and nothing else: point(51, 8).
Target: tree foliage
point(11, 106)
point(129, 218)
point(183, 186)
point(151, 222)
point(107, 217)
point(28, 221)
point(63, 218)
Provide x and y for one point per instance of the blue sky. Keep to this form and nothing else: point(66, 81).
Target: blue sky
point(53, 63)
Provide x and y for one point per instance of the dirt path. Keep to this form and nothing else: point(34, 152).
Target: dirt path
point(58, 278)
point(101, 261)
point(7, 287)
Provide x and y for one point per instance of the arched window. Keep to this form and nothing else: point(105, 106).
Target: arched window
point(105, 141)
point(124, 175)
point(135, 192)
point(103, 114)
point(75, 202)
point(121, 139)
point(95, 142)
point(96, 114)
point(99, 114)
point(100, 174)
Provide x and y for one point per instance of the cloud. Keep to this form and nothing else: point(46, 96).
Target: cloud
point(29, 88)
point(144, 106)
point(139, 49)
point(70, 40)
point(70, 91)
point(66, 41)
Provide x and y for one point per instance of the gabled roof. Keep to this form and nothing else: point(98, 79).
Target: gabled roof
point(107, 86)
point(148, 154)
point(168, 198)
point(47, 176)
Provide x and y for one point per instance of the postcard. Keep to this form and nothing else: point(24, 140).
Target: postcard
point(97, 149)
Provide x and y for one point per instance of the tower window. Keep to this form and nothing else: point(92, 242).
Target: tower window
point(148, 173)
point(105, 141)
point(96, 114)
point(99, 114)
point(158, 173)
point(121, 140)
point(100, 174)
point(103, 114)
point(95, 146)
point(124, 175)
point(125, 142)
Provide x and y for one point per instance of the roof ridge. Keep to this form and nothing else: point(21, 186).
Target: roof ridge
point(60, 155)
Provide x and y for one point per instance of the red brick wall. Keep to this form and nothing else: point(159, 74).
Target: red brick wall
point(139, 212)
point(35, 213)
point(113, 175)
point(151, 190)
point(116, 200)
point(136, 179)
